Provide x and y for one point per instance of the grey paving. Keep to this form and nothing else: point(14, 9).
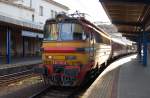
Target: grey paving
point(104, 85)
point(134, 81)
point(127, 80)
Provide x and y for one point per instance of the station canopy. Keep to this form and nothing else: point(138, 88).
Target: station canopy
point(131, 17)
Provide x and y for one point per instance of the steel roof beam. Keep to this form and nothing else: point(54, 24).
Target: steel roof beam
point(133, 38)
point(120, 22)
point(124, 34)
point(125, 1)
point(129, 32)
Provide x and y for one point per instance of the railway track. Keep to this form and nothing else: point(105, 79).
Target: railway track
point(63, 92)
point(15, 77)
point(55, 92)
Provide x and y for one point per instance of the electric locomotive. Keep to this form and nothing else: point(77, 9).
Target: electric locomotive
point(74, 47)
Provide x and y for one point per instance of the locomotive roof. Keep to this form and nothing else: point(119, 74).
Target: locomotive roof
point(79, 20)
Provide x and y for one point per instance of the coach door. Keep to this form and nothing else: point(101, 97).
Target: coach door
point(92, 41)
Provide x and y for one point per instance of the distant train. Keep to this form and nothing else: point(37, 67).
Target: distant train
point(73, 47)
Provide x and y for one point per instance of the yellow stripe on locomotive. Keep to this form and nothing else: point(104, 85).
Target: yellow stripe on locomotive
point(74, 58)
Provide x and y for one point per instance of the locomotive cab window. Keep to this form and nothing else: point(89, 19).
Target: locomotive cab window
point(51, 32)
point(77, 32)
point(64, 31)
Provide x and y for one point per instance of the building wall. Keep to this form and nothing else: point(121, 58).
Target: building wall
point(16, 12)
point(48, 9)
point(24, 11)
point(24, 2)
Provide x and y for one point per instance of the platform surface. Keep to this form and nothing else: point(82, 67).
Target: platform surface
point(125, 78)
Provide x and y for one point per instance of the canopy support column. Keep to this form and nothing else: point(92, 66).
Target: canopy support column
point(145, 48)
point(8, 46)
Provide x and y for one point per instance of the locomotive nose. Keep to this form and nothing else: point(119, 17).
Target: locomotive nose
point(65, 75)
point(70, 75)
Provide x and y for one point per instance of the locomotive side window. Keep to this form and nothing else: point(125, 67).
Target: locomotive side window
point(105, 40)
point(101, 39)
point(86, 36)
point(98, 37)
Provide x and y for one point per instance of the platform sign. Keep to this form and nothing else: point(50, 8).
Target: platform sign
point(32, 34)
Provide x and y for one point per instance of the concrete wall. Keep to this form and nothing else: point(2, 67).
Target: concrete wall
point(47, 8)
point(21, 13)
point(24, 10)
point(15, 12)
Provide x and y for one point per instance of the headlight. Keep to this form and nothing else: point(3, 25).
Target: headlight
point(49, 57)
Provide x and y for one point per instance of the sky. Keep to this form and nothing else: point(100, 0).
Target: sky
point(92, 8)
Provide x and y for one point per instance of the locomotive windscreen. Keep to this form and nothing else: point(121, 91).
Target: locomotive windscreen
point(64, 31)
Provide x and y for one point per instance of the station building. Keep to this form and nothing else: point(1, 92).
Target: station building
point(21, 27)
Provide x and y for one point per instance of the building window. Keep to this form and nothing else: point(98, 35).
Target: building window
point(33, 17)
point(55, 13)
point(30, 3)
point(63, 12)
point(41, 11)
point(52, 13)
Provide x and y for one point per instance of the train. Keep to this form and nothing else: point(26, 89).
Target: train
point(74, 47)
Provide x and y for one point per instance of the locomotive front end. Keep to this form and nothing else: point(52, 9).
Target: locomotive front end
point(64, 64)
point(64, 53)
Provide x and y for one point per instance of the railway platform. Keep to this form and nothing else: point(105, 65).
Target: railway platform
point(16, 62)
point(125, 78)
point(19, 65)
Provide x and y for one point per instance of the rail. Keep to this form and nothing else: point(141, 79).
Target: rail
point(39, 93)
point(57, 92)
point(14, 77)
